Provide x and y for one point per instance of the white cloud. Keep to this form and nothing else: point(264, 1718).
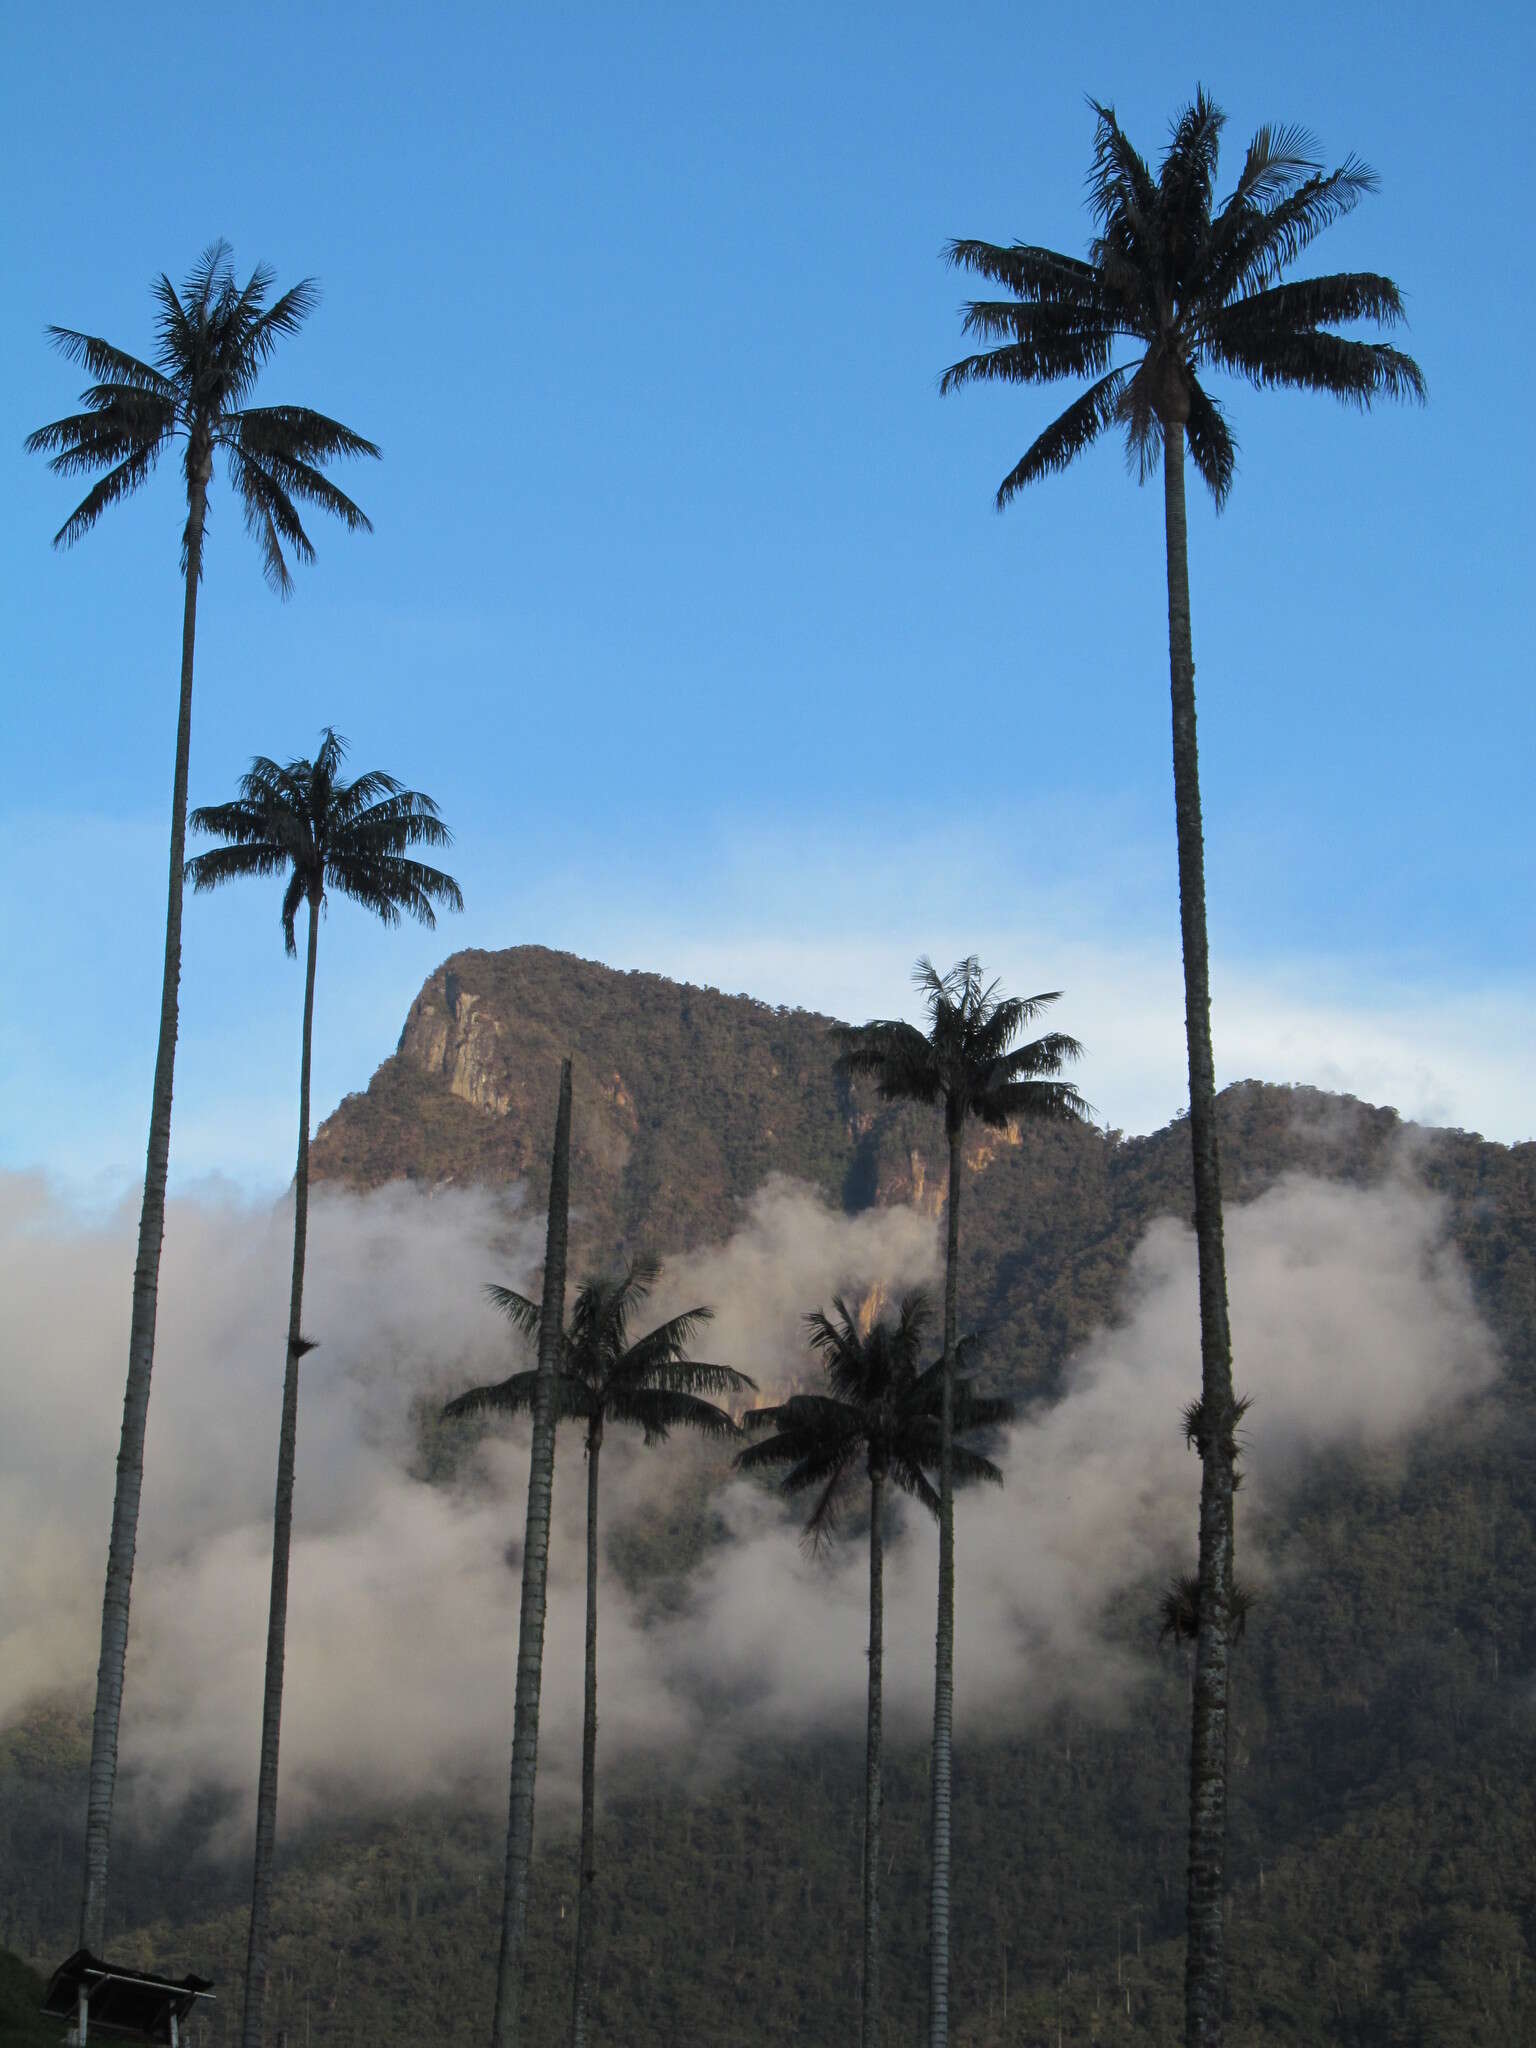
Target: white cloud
point(1354, 1322)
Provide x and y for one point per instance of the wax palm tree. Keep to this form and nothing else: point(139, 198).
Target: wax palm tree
point(885, 1412)
point(352, 838)
point(1192, 287)
point(969, 1063)
point(507, 2022)
point(604, 1376)
point(212, 340)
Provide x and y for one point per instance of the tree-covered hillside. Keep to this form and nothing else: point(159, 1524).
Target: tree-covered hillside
point(1384, 1825)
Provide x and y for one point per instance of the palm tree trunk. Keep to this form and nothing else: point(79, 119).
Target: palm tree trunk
point(1205, 1963)
point(282, 1538)
point(506, 2028)
point(944, 1637)
point(146, 1287)
point(870, 2034)
point(587, 1870)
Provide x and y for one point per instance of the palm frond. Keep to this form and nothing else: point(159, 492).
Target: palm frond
point(270, 519)
point(1279, 158)
point(1314, 302)
point(260, 329)
point(108, 364)
point(296, 433)
point(310, 486)
point(523, 1314)
point(516, 1396)
point(1031, 358)
point(1187, 180)
point(392, 888)
point(119, 421)
point(116, 484)
point(907, 1474)
point(223, 864)
point(1357, 372)
point(371, 791)
point(1211, 447)
point(299, 886)
point(1254, 244)
point(1122, 193)
point(659, 1410)
point(894, 1054)
point(1069, 434)
point(1042, 276)
point(972, 1469)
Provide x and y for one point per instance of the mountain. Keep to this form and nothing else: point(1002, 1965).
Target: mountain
point(1384, 1822)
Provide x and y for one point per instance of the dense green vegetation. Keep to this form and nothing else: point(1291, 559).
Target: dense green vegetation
point(1384, 1838)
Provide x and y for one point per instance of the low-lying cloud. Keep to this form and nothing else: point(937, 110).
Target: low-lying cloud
point(1355, 1327)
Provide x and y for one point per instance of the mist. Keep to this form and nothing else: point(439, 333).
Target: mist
point(1355, 1328)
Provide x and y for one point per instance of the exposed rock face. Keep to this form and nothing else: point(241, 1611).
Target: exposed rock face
point(448, 1032)
point(687, 1099)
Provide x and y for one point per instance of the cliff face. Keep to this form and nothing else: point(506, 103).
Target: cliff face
point(684, 1099)
point(687, 1099)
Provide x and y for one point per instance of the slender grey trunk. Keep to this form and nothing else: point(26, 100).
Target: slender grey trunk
point(506, 2028)
point(870, 2033)
point(1205, 1962)
point(146, 1284)
point(587, 1869)
point(944, 1637)
point(282, 1540)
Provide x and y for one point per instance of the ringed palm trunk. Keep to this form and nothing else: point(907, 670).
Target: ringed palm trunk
point(870, 2033)
point(282, 1540)
point(146, 1285)
point(506, 2027)
point(1205, 1963)
point(587, 1871)
point(944, 1635)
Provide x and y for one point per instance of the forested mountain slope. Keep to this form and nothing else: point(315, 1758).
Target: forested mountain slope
point(1384, 1834)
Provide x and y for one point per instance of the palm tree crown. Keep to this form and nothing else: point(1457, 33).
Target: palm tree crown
point(602, 1375)
point(350, 836)
point(967, 1060)
point(214, 336)
point(883, 1412)
point(1197, 286)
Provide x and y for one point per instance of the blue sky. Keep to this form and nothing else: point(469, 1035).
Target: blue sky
point(686, 598)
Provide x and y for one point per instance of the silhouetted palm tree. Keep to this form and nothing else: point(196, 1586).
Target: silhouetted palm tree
point(507, 2022)
point(967, 1062)
point(1194, 287)
point(213, 339)
point(325, 835)
point(885, 1412)
point(603, 1377)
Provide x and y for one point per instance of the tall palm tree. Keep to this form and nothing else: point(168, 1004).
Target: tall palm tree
point(649, 1383)
point(212, 340)
point(324, 834)
point(507, 2021)
point(968, 1062)
point(886, 1411)
point(1192, 287)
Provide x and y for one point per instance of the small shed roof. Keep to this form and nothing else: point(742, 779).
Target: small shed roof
point(133, 2004)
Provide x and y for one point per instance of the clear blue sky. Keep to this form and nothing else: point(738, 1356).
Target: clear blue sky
point(686, 597)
